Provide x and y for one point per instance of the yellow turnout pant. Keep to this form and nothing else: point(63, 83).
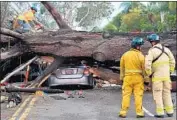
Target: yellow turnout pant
point(162, 97)
point(135, 84)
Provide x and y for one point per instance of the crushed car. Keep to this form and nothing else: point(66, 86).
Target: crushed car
point(71, 74)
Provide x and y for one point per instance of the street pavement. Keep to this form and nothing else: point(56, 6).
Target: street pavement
point(97, 104)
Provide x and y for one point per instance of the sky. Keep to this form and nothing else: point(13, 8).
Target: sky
point(116, 10)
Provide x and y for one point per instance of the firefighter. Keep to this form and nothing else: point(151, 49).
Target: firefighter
point(159, 63)
point(132, 73)
point(26, 22)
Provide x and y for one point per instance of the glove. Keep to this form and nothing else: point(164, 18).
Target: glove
point(146, 83)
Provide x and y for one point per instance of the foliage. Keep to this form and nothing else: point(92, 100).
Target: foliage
point(171, 21)
point(160, 27)
point(132, 19)
point(145, 24)
point(172, 6)
point(110, 27)
point(93, 13)
point(127, 6)
point(154, 16)
point(117, 20)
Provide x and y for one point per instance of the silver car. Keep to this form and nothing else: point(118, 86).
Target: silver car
point(71, 75)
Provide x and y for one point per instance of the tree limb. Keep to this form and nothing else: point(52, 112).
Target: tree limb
point(84, 16)
point(5, 12)
point(18, 69)
point(5, 39)
point(58, 61)
point(11, 33)
point(55, 15)
point(14, 51)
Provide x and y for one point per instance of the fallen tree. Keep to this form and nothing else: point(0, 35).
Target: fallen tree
point(71, 43)
point(67, 43)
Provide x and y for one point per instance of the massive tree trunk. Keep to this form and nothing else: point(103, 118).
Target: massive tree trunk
point(70, 43)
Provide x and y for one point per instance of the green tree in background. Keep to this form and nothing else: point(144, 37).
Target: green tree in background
point(110, 28)
point(149, 17)
point(92, 13)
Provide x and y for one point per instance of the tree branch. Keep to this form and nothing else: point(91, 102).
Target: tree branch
point(88, 10)
point(14, 51)
point(55, 15)
point(5, 39)
point(57, 61)
point(21, 67)
point(5, 12)
point(11, 33)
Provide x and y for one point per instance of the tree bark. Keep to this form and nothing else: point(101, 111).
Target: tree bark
point(69, 43)
point(14, 51)
point(11, 33)
point(106, 75)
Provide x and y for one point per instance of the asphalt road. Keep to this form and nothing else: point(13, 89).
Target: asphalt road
point(98, 104)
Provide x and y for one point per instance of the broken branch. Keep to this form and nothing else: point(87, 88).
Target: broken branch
point(12, 52)
point(40, 79)
point(6, 78)
point(11, 33)
point(55, 15)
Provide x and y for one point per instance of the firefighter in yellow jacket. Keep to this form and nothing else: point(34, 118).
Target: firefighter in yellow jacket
point(25, 22)
point(132, 73)
point(159, 63)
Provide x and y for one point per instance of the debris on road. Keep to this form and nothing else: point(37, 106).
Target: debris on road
point(3, 99)
point(58, 97)
point(14, 99)
point(32, 90)
point(6, 78)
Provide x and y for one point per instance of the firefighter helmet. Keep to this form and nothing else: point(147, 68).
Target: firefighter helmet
point(34, 8)
point(137, 41)
point(153, 38)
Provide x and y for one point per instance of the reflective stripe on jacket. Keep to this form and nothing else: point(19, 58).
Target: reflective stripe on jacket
point(162, 67)
point(132, 63)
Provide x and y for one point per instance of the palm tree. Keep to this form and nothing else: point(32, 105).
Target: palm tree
point(163, 9)
point(150, 10)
